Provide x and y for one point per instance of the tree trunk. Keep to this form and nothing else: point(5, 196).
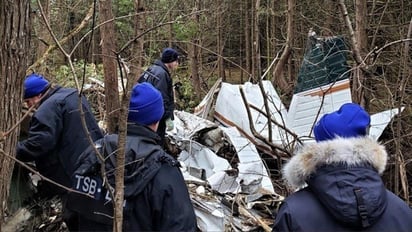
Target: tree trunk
point(252, 56)
point(248, 37)
point(256, 41)
point(220, 42)
point(358, 41)
point(268, 29)
point(194, 54)
point(362, 44)
point(111, 90)
point(120, 160)
point(170, 30)
point(279, 78)
point(400, 166)
point(44, 36)
point(137, 46)
point(330, 6)
point(14, 42)
point(241, 41)
point(113, 109)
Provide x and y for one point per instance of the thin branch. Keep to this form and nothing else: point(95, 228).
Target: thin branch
point(356, 51)
point(58, 44)
point(155, 27)
point(40, 175)
point(377, 51)
point(278, 71)
point(295, 136)
point(253, 130)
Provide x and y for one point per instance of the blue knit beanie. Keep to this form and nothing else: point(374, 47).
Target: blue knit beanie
point(34, 84)
point(146, 104)
point(351, 120)
point(169, 55)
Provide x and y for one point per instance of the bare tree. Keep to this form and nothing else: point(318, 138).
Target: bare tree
point(43, 35)
point(358, 43)
point(111, 90)
point(406, 75)
point(278, 73)
point(256, 40)
point(194, 55)
point(53, 46)
point(361, 44)
point(14, 42)
point(248, 36)
point(138, 43)
point(220, 40)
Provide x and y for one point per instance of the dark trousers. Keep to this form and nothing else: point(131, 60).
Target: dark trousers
point(70, 217)
point(161, 131)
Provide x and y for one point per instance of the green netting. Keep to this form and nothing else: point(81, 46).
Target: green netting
point(324, 62)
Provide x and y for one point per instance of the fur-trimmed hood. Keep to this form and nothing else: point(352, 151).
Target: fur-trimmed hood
point(344, 175)
point(350, 152)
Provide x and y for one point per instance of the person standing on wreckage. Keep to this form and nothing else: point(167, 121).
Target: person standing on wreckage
point(159, 76)
point(155, 193)
point(341, 171)
point(56, 137)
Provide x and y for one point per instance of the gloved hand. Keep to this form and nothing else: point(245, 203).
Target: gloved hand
point(169, 124)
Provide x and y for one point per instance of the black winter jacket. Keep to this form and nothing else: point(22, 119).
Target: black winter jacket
point(56, 136)
point(155, 193)
point(344, 190)
point(158, 75)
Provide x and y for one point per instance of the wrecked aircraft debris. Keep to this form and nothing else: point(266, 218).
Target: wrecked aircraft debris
point(248, 176)
point(228, 189)
point(220, 145)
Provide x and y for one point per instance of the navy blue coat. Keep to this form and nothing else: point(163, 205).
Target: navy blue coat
point(56, 136)
point(158, 75)
point(344, 190)
point(155, 193)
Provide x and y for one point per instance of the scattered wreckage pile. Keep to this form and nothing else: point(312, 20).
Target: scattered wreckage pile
point(233, 146)
point(227, 156)
point(34, 213)
point(229, 183)
point(231, 152)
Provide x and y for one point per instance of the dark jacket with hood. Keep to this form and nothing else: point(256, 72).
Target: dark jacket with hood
point(159, 76)
point(156, 196)
point(344, 190)
point(56, 136)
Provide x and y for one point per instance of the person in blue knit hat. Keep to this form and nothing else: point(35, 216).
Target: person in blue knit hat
point(35, 84)
point(338, 180)
point(55, 137)
point(155, 193)
point(350, 120)
point(159, 75)
point(146, 105)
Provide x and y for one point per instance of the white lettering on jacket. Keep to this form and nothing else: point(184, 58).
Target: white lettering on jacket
point(90, 186)
point(87, 185)
point(108, 198)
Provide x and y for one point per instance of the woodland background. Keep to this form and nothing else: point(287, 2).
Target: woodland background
point(70, 41)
